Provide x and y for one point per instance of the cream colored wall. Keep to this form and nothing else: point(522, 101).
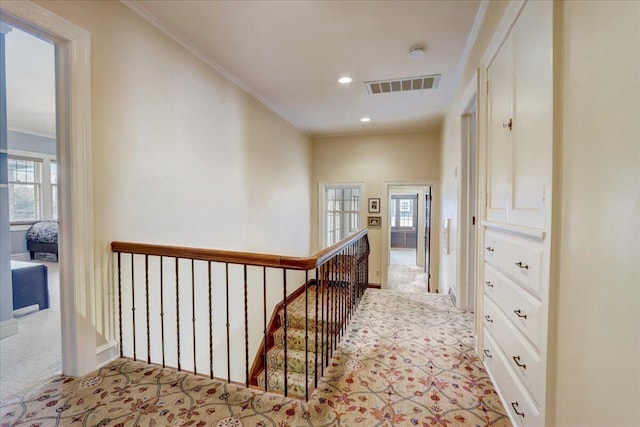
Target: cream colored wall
point(180, 155)
point(598, 259)
point(376, 160)
point(451, 145)
point(597, 210)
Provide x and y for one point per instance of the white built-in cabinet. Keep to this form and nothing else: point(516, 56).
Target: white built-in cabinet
point(517, 216)
point(521, 121)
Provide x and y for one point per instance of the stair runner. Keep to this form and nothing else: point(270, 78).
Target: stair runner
point(296, 354)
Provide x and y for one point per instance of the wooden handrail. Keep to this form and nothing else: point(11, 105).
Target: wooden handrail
point(233, 257)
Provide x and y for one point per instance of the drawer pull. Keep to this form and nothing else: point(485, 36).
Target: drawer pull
point(518, 313)
point(515, 406)
point(521, 265)
point(517, 360)
point(488, 354)
point(490, 249)
point(508, 124)
point(489, 319)
point(489, 284)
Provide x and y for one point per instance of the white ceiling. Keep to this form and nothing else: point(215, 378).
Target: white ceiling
point(289, 54)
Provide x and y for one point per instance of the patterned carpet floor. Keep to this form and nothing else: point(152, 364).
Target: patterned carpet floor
point(410, 278)
point(406, 359)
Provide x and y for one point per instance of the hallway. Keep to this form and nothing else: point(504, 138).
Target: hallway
point(405, 359)
point(403, 274)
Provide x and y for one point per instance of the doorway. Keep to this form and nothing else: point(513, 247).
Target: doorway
point(73, 161)
point(468, 210)
point(409, 228)
point(34, 353)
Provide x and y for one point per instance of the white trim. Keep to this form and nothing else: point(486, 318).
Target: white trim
point(20, 227)
point(167, 30)
point(534, 233)
point(31, 154)
point(463, 286)
point(434, 260)
point(73, 103)
point(471, 41)
point(106, 353)
point(481, 161)
point(30, 132)
point(504, 28)
point(8, 327)
point(25, 256)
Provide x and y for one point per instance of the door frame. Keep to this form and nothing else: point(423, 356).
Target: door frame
point(385, 209)
point(75, 206)
point(467, 287)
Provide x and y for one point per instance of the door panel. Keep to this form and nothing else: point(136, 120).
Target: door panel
point(500, 75)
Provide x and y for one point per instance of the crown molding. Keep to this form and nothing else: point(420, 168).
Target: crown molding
point(165, 29)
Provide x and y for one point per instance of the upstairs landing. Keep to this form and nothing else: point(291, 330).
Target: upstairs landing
point(405, 359)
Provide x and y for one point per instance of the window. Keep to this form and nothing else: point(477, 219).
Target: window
point(25, 189)
point(342, 212)
point(33, 187)
point(403, 212)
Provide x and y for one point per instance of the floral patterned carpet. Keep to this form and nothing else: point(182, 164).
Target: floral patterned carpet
point(406, 359)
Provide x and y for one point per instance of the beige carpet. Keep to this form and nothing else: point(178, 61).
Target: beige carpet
point(409, 278)
point(406, 359)
point(33, 355)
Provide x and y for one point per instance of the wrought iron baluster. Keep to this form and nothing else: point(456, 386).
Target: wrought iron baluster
point(193, 312)
point(146, 291)
point(317, 323)
point(162, 310)
point(210, 321)
point(228, 342)
point(246, 330)
point(330, 308)
point(343, 290)
point(178, 311)
point(325, 317)
point(306, 335)
point(133, 305)
point(334, 303)
point(264, 331)
point(286, 360)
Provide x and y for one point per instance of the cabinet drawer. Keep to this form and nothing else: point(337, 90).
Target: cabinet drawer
point(518, 306)
point(518, 258)
point(522, 358)
point(521, 409)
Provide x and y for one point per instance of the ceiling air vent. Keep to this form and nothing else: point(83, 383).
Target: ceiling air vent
point(402, 85)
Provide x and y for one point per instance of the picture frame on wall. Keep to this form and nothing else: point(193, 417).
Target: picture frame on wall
point(374, 221)
point(374, 205)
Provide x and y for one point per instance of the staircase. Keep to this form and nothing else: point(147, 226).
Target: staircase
point(322, 327)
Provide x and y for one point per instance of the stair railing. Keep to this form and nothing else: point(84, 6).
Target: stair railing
point(187, 308)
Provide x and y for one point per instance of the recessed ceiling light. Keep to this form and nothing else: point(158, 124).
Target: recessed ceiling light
point(365, 119)
point(345, 80)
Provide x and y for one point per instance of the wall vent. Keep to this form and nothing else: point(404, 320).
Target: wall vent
point(403, 85)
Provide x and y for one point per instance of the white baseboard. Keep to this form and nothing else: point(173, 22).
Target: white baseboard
point(21, 257)
point(8, 327)
point(106, 353)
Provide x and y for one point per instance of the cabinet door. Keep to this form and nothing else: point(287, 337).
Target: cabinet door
point(532, 114)
point(500, 77)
